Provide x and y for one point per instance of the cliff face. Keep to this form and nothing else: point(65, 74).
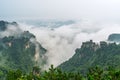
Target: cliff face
point(91, 54)
point(21, 51)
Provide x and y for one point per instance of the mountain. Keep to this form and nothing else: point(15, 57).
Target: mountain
point(20, 51)
point(114, 37)
point(92, 54)
point(4, 24)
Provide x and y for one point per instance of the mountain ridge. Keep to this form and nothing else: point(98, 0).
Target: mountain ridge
point(91, 54)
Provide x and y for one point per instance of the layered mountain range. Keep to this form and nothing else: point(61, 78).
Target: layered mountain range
point(20, 50)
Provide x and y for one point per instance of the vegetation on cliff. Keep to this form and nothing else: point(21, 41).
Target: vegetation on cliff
point(91, 54)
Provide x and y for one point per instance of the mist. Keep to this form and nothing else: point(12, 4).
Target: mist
point(62, 41)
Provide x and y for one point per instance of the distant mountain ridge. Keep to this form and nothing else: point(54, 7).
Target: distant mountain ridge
point(114, 37)
point(49, 23)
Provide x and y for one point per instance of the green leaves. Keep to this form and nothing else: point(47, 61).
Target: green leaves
point(94, 73)
point(14, 75)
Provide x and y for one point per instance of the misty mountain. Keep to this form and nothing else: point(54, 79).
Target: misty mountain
point(91, 54)
point(21, 51)
point(114, 37)
point(4, 24)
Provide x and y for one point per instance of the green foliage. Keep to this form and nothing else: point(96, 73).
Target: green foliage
point(51, 74)
point(94, 73)
point(18, 53)
point(91, 54)
point(14, 75)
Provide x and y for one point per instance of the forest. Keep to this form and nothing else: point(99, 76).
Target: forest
point(94, 73)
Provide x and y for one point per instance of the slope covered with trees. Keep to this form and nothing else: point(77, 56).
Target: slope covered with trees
point(91, 54)
point(20, 51)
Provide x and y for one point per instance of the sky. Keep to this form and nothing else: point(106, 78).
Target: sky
point(60, 9)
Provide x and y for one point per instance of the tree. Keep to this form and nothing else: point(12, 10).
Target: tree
point(14, 75)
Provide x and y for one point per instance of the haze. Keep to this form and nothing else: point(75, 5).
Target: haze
point(107, 10)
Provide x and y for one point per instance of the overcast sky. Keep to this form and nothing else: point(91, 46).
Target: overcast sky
point(60, 9)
